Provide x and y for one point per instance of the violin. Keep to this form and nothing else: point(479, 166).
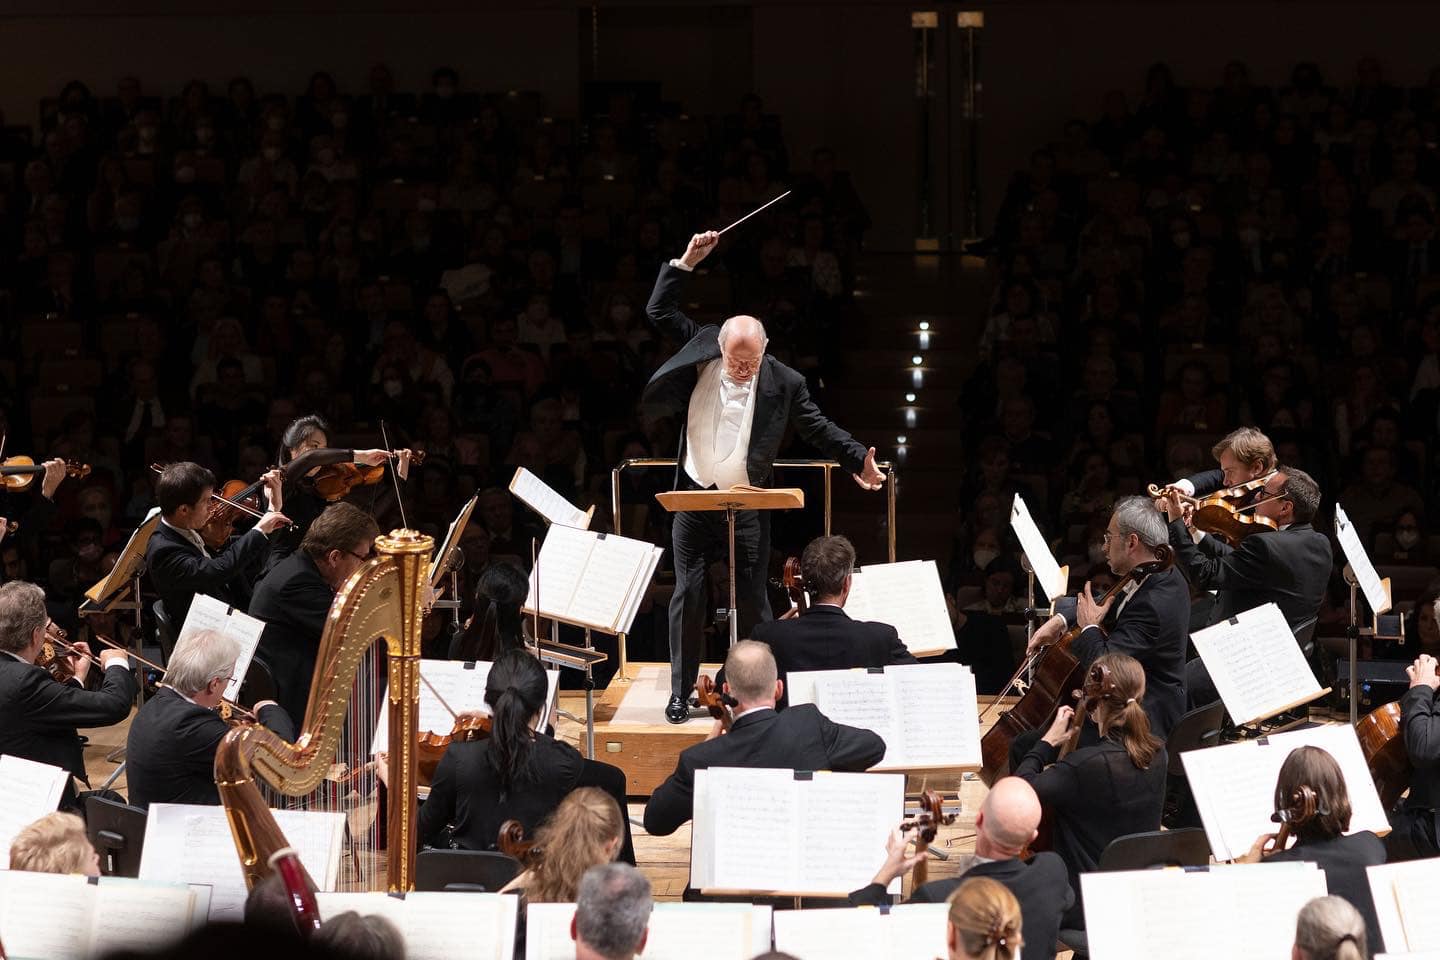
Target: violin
point(794, 583)
point(17, 473)
point(56, 654)
point(334, 481)
point(1385, 754)
point(719, 704)
point(511, 841)
point(1056, 673)
point(432, 746)
point(1300, 808)
point(1226, 513)
point(926, 824)
point(233, 497)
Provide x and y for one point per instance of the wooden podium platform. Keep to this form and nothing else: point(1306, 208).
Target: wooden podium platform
point(643, 743)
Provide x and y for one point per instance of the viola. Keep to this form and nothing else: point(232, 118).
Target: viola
point(717, 703)
point(334, 481)
point(56, 654)
point(1384, 749)
point(432, 746)
point(1226, 513)
point(1056, 674)
point(926, 824)
point(17, 473)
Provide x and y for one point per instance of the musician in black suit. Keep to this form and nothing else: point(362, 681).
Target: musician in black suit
point(39, 716)
point(1414, 821)
point(517, 773)
point(824, 637)
point(800, 738)
point(176, 557)
point(1148, 620)
point(1289, 566)
point(1245, 454)
point(170, 751)
point(294, 598)
point(736, 402)
point(1009, 819)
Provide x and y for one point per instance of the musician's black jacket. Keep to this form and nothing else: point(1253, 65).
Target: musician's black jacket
point(783, 396)
point(293, 599)
point(825, 638)
point(1344, 859)
point(1094, 795)
point(39, 717)
point(465, 792)
point(179, 569)
point(800, 738)
point(170, 752)
point(1420, 726)
point(1153, 628)
point(1290, 567)
point(1040, 884)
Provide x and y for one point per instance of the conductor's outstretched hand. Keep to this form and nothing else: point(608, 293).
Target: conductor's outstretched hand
point(870, 476)
point(700, 246)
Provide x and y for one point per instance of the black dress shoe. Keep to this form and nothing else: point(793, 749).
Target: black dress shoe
point(678, 711)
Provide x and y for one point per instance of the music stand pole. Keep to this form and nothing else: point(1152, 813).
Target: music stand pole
point(589, 702)
point(732, 616)
point(1352, 638)
point(1029, 609)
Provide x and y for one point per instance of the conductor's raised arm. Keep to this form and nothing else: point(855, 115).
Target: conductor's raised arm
point(663, 309)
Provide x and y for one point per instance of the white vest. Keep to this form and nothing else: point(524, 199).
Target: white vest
point(705, 433)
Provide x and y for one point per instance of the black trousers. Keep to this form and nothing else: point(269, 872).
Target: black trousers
point(698, 539)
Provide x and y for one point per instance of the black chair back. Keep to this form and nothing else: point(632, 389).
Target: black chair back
point(117, 832)
point(469, 871)
point(259, 683)
point(1305, 636)
point(1196, 730)
point(1157, 848)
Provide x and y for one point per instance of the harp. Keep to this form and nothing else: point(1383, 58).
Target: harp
point(382, 601)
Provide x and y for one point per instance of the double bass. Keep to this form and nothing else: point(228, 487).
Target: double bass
point(1057, 673)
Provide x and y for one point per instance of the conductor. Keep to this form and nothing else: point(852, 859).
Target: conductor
point(736, 402)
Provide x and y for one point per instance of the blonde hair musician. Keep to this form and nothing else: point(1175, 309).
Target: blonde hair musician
point(984, 921)
point(585, 830)
point(56, 843)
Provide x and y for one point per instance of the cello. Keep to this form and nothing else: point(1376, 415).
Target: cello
point(1057, 673)
point(794, 583)
point(1385, 753)
point(718, 703)
point(926, 824)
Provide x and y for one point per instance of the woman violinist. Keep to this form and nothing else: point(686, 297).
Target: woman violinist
point(304, 456)
point(1097, 793)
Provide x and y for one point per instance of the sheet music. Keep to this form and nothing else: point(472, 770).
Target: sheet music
point(45, 916)
point(845, 819)
point(452, 539)
point(753, 817)
point(30, 791)
point(459, 684)
point(542, 498)
point(1234, 785)
point(1404, 897)
point(927, 713)
point(909, 932)
point(1365, 575)
point(207, 613)
point(189, 843)
point(729, 931)
point(141, 916)
point(1256, 664)
point(437, 926)
point(1047, 570)
point(591, 578)
point(131, 557)
point(908, 596)
point(1245, 910)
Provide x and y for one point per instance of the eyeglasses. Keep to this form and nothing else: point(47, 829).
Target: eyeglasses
point(362, 557)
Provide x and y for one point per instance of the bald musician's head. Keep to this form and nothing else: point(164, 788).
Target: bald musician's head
point(742, 346)
point(1008, 819)
point(750, 675)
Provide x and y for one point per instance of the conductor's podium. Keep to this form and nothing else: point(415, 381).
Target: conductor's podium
point(631, 731)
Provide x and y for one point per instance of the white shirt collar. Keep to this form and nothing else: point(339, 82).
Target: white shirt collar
point(746, 713)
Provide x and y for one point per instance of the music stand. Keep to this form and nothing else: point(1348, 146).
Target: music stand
point(449, 558)
point(732, 500)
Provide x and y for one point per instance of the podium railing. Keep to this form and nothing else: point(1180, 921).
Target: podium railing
point(824, 466)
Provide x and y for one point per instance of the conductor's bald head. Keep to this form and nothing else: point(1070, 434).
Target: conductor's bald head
point(750, 675)
point(1008, 819)
point(742, 346)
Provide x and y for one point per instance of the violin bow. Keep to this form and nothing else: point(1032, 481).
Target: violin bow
point(431, 687)
point(394, 479)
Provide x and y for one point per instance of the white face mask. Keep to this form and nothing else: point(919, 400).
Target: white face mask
point(1407, 538)
point(983, 557)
